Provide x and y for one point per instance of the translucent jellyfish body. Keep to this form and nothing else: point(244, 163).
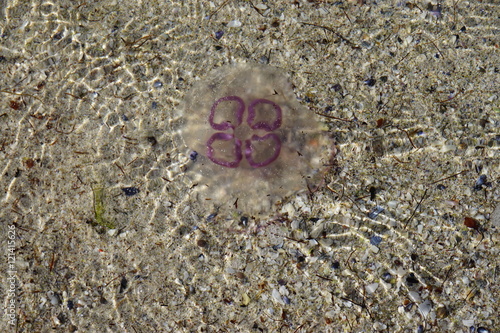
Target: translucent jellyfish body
point(250, 142)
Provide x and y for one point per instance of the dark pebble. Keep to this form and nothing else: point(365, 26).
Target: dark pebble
point(411, 279)
point(375, 211)
point(130, 191)
point(337, 87)
point(202, 243)
point(387, 277)
point(375, 240)
point(244, 221)
point(281, 282)
point(219, 34)
point(193, 155)
point(211, 217)
point(370, 82)
point(152, 140)
point(58, 36)
point(123, 284)
point(480, 182)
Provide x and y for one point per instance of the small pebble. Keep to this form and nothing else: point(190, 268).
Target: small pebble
point(471, 223)
point(337, 87)
point(244, 221)
point(375, 240)
point(152, 140)
point(123, 284)
point(482, 180)
point(276, 295)
point(203, 243)
point(234, 24)
point(58, 36)
point(54, 298)
point(411, 279)
point(219, 34)
point(371, 288)
point(193, 155)
point(387, 277)
point(425, 308)
point(375, 211)
point(414, 296)
point(442, 312)
point(130, 191)
point(370, 82)
point(264, 60)
point(157, 84)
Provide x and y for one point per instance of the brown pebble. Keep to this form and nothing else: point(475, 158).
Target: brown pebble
point(29, 163)
point(15, 105)
point(241, 276)
point(471, 223)
point(202, 243)
point(442, 312)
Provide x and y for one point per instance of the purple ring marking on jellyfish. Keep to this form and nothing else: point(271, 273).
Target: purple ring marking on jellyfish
point(249, 149)
point(264, 125)
point(226, 124)
point(237, 149)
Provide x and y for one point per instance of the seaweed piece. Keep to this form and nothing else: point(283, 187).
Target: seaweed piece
point(99, 209)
